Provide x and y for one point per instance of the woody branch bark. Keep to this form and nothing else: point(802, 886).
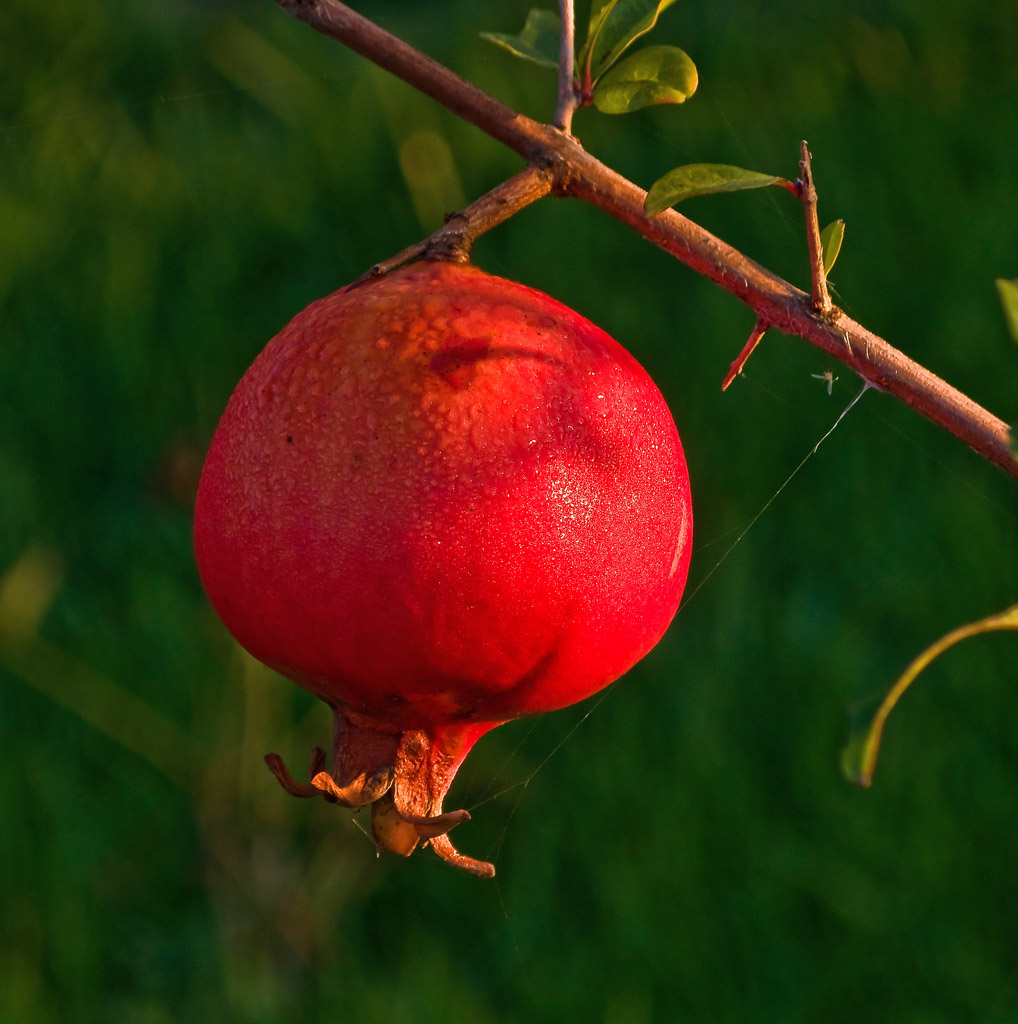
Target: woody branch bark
point(577, 173)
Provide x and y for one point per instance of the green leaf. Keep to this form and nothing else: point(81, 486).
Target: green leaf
point(538, 41)
point(1008, 291)
point(614, 26)
point(656, 74)
point(703, 180)
point(857, 750)
point(859, 755)
point(830, 243)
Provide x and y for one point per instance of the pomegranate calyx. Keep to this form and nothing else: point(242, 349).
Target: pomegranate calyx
point(278, 768)
point(437, 824)
point(360, 792)
point(426, 764)
point(404, 776)
point(400, 833)
point(449, 853)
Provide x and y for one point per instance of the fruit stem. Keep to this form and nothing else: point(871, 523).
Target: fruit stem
point(455, 239)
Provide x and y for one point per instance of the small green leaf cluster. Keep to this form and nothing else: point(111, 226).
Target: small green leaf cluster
point(617, 83)
point(650, 76)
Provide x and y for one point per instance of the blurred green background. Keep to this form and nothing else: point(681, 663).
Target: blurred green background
point(177, 179)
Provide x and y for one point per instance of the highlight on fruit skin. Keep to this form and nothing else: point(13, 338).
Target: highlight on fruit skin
point(439, 500)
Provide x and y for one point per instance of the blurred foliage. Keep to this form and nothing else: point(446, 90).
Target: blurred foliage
point(176, 181)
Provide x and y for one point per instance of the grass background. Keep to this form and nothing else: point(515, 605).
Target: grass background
point(177, 180)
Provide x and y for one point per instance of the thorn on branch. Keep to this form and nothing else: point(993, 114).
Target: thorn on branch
point(747, 350)
point(807, 193)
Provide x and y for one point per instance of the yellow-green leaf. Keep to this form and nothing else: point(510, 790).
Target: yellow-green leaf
point(859, 755)
point(830, 243)
point(614, 26)
point(538, 41)
point(655, 74)
point(1008, 291)
point(702, 180)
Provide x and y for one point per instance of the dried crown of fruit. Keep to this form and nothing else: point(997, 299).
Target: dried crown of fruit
point(438, 501)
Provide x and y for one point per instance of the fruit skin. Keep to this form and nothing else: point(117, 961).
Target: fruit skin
point(440, 500)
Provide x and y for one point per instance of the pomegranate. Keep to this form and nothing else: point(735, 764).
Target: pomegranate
point(438, 501)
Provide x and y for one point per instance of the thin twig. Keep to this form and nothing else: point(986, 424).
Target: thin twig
point(454, 240)
point(566, 87)
point(808, 193)
point(579, 174)
point(747, 350)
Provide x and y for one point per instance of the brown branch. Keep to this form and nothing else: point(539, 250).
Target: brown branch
point(579, 174)
point(454, 240)
point(818, 275)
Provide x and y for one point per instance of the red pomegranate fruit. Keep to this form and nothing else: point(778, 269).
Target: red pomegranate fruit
point(439, 500)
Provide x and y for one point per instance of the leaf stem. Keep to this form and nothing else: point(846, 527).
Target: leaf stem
point(566, 85)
